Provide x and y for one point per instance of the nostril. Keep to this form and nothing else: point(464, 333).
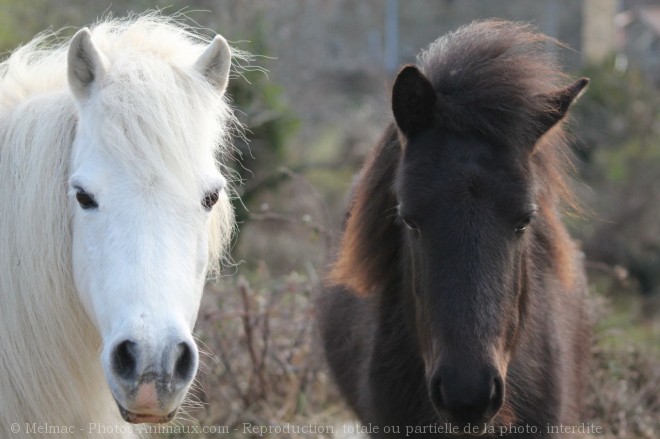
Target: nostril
point(497, 394)
point(184, 363)
point(124, 360)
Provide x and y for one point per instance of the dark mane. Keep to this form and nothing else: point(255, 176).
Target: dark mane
point(367, 246)
point(490, 77)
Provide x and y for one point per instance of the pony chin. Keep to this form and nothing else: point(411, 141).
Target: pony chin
point(145, 405)
point(137, 418)
point(475, 427)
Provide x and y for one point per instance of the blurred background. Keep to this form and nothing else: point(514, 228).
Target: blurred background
point(312, 119)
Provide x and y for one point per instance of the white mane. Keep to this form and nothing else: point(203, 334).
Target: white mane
point(40, 315)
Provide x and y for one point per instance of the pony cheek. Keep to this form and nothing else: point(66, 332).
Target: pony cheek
point(202, 260)
point(191, 302)
point(83, 278)
point(192, 319)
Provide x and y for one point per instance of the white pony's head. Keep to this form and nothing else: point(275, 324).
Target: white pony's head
point(149, 206)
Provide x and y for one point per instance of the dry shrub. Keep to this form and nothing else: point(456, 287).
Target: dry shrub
point(625, 394)
point(266, 367)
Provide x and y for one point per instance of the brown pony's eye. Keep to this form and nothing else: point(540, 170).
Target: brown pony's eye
point(85, 200)
point(210, 199)
point(409, 223)
point(523, 224)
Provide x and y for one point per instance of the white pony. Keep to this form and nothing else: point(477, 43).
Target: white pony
point(113, 209)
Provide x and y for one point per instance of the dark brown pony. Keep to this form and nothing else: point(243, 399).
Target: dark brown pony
point(457, 298)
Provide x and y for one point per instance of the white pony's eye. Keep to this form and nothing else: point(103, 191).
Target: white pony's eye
point(85, 200)
point(211, 198)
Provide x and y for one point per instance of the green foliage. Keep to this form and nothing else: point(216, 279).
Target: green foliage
point(19, 23)
point(269, 122)
point(619, 128)
point(618, 122)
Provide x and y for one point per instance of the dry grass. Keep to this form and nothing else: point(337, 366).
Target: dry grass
point(624, 394)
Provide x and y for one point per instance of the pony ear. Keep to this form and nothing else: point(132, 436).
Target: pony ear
point(86, 64)
point(413, 101)
point(558, 104)
point(214, 63)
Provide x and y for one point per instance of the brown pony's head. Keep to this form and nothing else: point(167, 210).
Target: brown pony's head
point(477, 184)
